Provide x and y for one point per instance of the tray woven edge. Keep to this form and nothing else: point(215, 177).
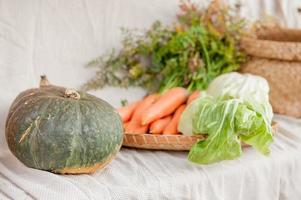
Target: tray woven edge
point(166, 142)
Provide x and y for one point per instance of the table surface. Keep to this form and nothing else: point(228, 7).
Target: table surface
point(58, 38)
point(145, 174)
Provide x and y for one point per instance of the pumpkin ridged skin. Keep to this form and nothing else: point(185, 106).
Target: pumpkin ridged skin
point(47, 130)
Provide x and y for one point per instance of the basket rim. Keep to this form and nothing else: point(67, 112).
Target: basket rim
point(167, 142)
point(280, 34)
point(271, 49)
point(270, 41)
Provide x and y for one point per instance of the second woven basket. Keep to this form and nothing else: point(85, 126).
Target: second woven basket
point(276, 55)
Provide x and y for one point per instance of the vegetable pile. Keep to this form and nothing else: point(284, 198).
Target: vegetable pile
point(177, 60)
point(201, 45)
point(157, 114)
point(235, 108)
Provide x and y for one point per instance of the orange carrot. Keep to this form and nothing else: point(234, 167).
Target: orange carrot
point(194, 95)
point(134, 125)
point(172, 127)
point(137, 129)
point(158, 126)
point(126, 112)
point(141, 129)
point(166, 105)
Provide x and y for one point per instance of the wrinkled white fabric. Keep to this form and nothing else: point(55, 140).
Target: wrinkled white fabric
point(143, 174)
point(58, 38)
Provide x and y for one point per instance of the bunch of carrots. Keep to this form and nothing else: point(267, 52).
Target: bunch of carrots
point(155, 113)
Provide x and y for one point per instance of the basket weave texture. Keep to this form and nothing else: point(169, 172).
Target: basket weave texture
point(167, 142)
point(160, 142)
point(276, 56)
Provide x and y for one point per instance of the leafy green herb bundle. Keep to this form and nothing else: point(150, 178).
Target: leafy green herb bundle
point(202, 45)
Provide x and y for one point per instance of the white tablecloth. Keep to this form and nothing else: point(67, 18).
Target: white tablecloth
point(143, 174)
point(58, 38)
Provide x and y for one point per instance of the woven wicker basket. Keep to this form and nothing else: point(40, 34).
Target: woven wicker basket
point(165, 142)
point(276, 56)
point(160, 142)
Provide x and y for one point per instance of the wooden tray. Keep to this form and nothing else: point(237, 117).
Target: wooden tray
point(166, 142)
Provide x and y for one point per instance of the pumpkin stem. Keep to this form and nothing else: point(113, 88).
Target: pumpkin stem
point(70, 93)
point(44, 81)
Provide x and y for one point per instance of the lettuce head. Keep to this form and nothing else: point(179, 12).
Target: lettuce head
point(235, 109)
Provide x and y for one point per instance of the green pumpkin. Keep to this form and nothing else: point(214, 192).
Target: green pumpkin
point(64, 131)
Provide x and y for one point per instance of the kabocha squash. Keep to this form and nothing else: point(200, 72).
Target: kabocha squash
point(63, 131)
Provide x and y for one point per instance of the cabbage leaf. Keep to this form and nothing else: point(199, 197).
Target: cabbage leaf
point(235, 109)
point(226, 123)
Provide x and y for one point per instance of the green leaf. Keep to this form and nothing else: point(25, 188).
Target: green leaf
point(225, 123)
